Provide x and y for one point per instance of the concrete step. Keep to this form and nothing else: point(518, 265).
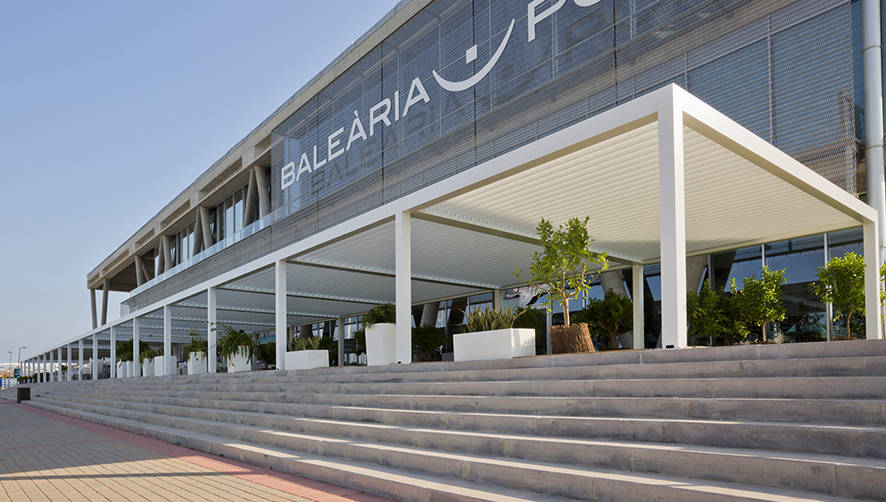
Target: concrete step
point(762, 467)
point(388, 408)
point(867, 442)
point(818, 411)
point(863, 387)
point(549, 478)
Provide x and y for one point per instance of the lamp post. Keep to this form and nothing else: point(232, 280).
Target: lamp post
point(20, 356)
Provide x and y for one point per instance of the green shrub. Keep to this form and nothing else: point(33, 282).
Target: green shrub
point(759, 301)
point(305, 343)
point(427, 341)
point(488, 319)
point(124, 350)
point(841, 283)
point(197, 344)
point(384, 313)
point(149, 353)
point(230, 343)
point(609, 317)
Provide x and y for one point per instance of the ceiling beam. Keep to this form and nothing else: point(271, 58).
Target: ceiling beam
point(382, 272)
point(304, 294)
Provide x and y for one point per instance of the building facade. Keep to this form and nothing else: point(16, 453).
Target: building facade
point(439, 87)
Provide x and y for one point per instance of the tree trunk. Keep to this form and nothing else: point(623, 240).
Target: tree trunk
point(849, 325)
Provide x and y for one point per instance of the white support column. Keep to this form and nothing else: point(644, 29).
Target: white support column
point(94, 364)
point(672, 224)
point(873, 118)
point(58, 365)
point(167, 340)
point(113, 352)
point(341, 341)
point(280, 312)
point(637, 292)
point(69, 375)
point(80, 359)
point(106, 290)
point(40, 368)
point(873, 329)
point(211, 330)
point(136, 336)
point(403, 285)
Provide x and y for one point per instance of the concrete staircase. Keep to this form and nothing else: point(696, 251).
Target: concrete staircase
point(769, 422)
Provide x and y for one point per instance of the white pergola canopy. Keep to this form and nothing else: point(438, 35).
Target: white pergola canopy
point(661, 177)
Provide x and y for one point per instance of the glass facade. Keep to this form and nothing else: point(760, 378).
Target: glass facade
point(786, 70)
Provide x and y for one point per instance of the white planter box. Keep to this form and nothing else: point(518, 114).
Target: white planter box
point(306, 359)
point(196, 363)
point(239, 362)
point(121, 369)
point(148, 367)
point(381, 344)
point(495, 344)
point(130, 369)
point(158, 366)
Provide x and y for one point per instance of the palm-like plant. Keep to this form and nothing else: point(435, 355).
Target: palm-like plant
point(197, 344)
point(234, 341)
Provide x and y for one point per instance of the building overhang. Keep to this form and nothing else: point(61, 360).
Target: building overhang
point(471, 230)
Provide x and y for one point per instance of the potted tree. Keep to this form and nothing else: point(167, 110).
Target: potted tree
point(609, 317)
point(565, 269)
point(196, 351)
point(124, 359)
point(146, 358)
point(490, 334)
point(759, 300)
point(237, 347)
point(841, 283)
point(305, 353)
point(381, 333)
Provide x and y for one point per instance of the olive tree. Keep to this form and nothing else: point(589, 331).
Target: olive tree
point(759, 300)
point(566, 266)
point(841, 283)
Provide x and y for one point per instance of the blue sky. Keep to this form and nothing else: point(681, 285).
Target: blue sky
point(109, 109)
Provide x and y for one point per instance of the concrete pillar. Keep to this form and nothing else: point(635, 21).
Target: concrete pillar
point(264, 195)
point(113, 352)
point(70, 374)
point(498, 297)
point(167, 340)
point(92, 305)
point(280, 312)
point(249, 203)
point(873, 329)
point(403, 285)
point(106, 288)
point(139, 271)
point(94, 364)
point(672, 224)
point(136, 336)
point(167, 253)
point(211, 330)
point(429, 314)
point(638, 281)
point(695, 266)
point(80, 359)
point(873, 118)
point(341, 341)
point(208, 241)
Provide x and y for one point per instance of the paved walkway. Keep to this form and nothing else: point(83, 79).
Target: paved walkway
point(49, 457)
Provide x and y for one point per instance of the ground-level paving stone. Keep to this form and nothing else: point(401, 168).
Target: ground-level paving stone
point(49, 457)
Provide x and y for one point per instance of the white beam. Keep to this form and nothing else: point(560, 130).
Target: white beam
point(211, 333)
point(637, 293)
point(94, 364)
point(113, 352)
point(403, 285)
point(280, 312)
point(136, 339)
point(167, 339)
point(672, 223)
point(873, 329)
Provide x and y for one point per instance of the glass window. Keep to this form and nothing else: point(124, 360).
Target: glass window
point(736, 265)
point(845, 241)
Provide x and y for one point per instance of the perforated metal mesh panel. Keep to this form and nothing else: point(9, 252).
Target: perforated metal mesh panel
point(783, 68)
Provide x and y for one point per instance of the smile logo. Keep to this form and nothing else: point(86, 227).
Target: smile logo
point(470, 56)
